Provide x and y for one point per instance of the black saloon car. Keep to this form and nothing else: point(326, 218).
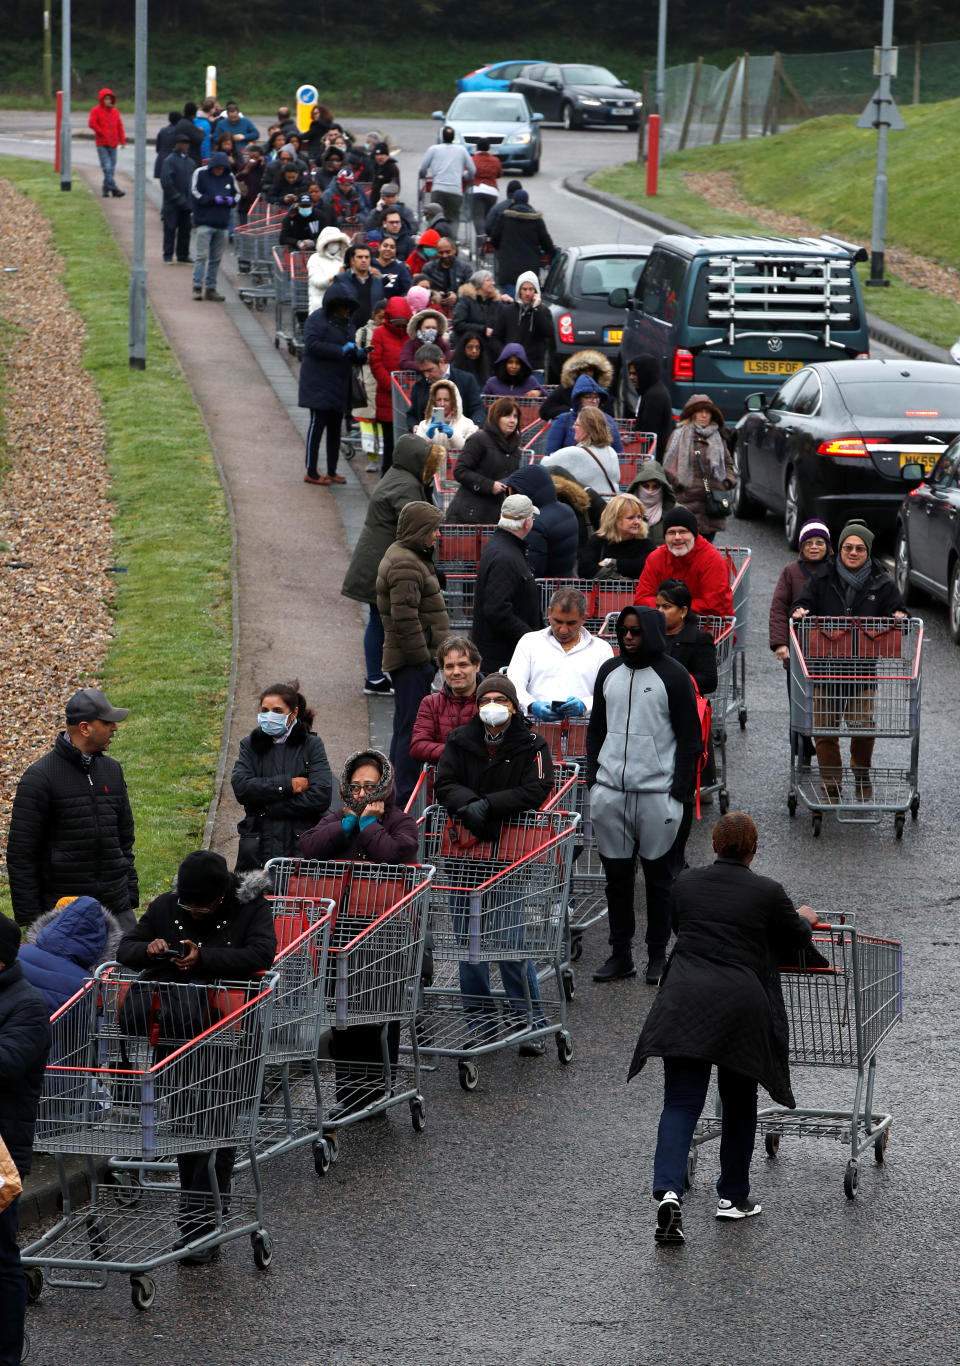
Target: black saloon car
point(834, 440)
point(576, 94)
point(576, 290)
point(927, 546)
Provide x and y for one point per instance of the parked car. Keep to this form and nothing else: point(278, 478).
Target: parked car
point(727, 315)
point(927, 542)
point(576, 94)
point(493, 76)
point(505, 119)
point(576, 291)
point(839, 438)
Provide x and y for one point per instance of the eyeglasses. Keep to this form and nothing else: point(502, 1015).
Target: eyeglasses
point(366, 788)
point(633, 630)
point(201, 910)
point(854, 549)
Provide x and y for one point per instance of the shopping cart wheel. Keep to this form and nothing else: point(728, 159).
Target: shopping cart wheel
point(915, 807)
point(880, 1145)
point(276, 342)
point(247, 300)
point(321, 1157)
point(143, 1291)
point(333, 1143)
point(569, 980)
point(851, 1179)
point(564, 1046)
point(772, 1144)
point(817, 818)
point(742, 718)
point(899, 821)
point(792, 803)
point(691, 1167)
point(34, 1275)
point(576, 946)
point(128, 1191)
point(469, 1075)
point(262, 1248)
point(723, 801)
point(418, 1114)
point(261, 305)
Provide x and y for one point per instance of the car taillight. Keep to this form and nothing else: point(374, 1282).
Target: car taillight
point(843, 445)
point(565, 328)
point(862, 355)
point(682, 364)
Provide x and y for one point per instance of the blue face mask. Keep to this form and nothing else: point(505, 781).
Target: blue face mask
point(305, 213)
point(272, 723)
point(428, 251)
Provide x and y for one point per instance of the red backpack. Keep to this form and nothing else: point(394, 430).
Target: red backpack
point(705, 712)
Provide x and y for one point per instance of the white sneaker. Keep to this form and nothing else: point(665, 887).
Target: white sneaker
point(669, 1219)
point(726, 1209)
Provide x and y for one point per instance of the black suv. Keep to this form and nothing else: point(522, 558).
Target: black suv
point(728, 316)
point(577, 94)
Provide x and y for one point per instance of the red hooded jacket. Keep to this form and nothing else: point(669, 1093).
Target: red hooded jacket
point(703, 569)
point(107, 123)
point(385, 347)
point(415, 262)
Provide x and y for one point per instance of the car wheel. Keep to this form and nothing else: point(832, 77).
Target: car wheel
point(568, 118)
point(633, 127)
point(794, 509)
point(953, 603)
point(901, 567)
point(744, 507)
point(534, 166)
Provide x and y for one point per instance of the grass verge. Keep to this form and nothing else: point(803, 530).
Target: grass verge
point(170, 657)
point(823, 171)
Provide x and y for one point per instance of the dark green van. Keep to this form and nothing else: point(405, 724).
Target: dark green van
point(730, 316)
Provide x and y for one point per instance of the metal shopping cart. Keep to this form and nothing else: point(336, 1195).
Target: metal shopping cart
point(501, 901)
point(458, 595)
point(838, 1016)
point(460, 545)
point(856, 678)
point(638, 447)
point(141, 1072)
point(401, 387)
point(254, 242)
point(372, 983)
point(738, 558)
point(292, 287)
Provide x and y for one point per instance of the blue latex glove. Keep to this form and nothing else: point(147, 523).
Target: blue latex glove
point(434, 428)
point(446, 429)
point(349, 821)
point(544, 712)
point(347, 349)
point(573, 707)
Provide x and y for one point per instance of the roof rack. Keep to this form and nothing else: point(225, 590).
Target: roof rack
point(748, 288)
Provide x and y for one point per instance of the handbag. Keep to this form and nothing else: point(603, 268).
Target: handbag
point(593, 457)
point(715, 503)
point(10, 1183)
point(358, 392)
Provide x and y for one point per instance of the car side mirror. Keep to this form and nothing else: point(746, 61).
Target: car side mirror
point(619, 298)
point(912, 473)
point(755, 403)
point(437, 114)
point(538, 118)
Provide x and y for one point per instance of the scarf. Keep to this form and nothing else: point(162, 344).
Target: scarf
point(687, 444)
point(852, 583)
point(652, 505)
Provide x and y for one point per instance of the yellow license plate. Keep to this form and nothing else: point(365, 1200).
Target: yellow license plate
point(925, 458)
point(613, 335)
point(771, 367)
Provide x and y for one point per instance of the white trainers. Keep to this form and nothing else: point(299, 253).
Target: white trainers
point(669, 1219)
point(726, 1209)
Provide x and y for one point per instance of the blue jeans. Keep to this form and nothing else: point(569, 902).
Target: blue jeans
point(501, 926)
point(13, 1289)
point(685, 1082)
point(478, 998)
point(373, 645)
point(108, 164)
point(207, 249)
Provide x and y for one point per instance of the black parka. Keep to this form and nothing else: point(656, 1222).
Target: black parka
point(824, 594)
point(24, 1044)
point(506, 603)
point(71, 834)
point(276, 816)
point(517, 777)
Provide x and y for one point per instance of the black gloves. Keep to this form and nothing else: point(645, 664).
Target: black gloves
point(475, 815)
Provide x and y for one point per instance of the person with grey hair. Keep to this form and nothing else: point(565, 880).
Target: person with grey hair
point(506, 600)
point(478, 306)
point(554, 670)
point(449, 166)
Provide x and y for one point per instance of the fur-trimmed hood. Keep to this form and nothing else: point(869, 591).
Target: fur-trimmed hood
point(383, 792)
point(469, 291)
point(418, 320)
point(569, 491)
point(261, 743)
point(81, 930)
point(582, 361)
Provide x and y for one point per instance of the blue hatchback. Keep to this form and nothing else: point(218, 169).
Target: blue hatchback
point(493, 76)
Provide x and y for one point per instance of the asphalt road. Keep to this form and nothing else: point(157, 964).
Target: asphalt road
point(518, 1227)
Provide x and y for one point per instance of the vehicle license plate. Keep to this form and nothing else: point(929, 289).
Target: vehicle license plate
point(771, 367)
point(925, 458)
point(612, 335)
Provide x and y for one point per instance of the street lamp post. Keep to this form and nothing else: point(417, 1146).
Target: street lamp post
point(65, 60)
point(138, 271)
point(881, 113)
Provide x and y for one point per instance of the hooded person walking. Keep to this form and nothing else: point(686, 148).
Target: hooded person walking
point(562, 429)
point(654, 409)
point(329, 355)
point(698, 463)
point(325, 264)
point(108, 133)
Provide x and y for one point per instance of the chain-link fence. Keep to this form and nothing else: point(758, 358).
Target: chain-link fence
point(757, 95)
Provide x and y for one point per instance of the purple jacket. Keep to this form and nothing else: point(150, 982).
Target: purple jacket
point(502, 385)
point(392, 839)
point(792, 578)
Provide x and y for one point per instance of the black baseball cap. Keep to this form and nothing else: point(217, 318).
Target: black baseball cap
point(90, 704)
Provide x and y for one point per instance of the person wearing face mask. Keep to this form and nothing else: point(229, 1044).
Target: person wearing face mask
point(223, 925)
point(325, 263)
point(424, 250)
point(687, 555)
point(643, 746)
point(281, 778)
point(303, 223)
point(491, 769)
point(655, 492)
point(696, 455)
point(488, 458)
point(426, 328)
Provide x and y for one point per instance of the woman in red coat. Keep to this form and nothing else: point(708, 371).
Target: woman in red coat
point(109, 135)
point(388, 341)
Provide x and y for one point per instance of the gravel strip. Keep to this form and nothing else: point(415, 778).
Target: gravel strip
point(55, 538)
point(721, 191)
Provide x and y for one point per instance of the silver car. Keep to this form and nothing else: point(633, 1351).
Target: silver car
point(504, 119)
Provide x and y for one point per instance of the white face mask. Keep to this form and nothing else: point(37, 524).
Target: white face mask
point(494, 713)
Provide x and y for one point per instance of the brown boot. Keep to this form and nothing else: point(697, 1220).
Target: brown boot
point(861, 755)
point(831, 768)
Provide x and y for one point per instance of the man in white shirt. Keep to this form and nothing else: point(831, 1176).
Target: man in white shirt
point(554, 670)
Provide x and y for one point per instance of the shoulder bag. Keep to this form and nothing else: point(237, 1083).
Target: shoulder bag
point(715, 503)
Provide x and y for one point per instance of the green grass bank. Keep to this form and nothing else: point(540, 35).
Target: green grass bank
point(170, 657)
point(823, 171)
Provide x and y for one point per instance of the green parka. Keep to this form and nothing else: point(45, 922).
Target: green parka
point(409, 597)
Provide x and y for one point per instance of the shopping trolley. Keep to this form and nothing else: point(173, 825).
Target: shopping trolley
point(638, 448)
point(401, 387)
point(723, 630)
point(856, 678)
point(460, 545)
point(499, 901)
point(374, 965)
point(254, 243)
point(141, 1072)
point(532, 425)
point(291, 285)
point(838, 1015)
point(738, 559)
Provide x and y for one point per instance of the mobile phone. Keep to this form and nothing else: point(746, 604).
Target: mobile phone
point(176, 952)
point(559, 706)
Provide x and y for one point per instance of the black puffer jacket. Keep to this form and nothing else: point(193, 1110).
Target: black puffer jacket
point(71, 834)
point(488, 457)
point(24, 1044)
point(235, 943)
point(696, 651)
point(506, 602)
point(719, 999)
point(517, 777)
point(555, 535)
point(276, 816)
point(824, 594)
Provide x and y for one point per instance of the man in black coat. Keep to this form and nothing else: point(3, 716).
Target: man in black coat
point(506, 603)
point(432, 364)
point(223, 924)
point(166, 138)
point(329, 355)
point(193, 134)
point(520, 237)
point(654, 409)
point(71, 827)
point(24, 1044)
point(176, 178)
